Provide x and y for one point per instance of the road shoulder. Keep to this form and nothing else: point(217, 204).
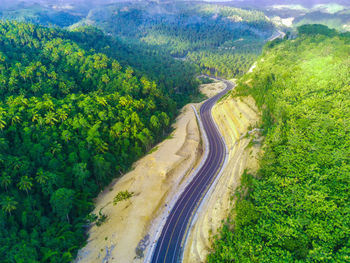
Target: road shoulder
point(234, 117)
point(153, 179)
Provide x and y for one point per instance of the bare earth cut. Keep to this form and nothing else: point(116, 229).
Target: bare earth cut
point(155, 177)
point(234, 117)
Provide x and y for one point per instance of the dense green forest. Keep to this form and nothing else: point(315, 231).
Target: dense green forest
point(71, 119)
point(296, 209)
point(175, 78)
point(226, 62)
point(147, 35)
point(224, 41)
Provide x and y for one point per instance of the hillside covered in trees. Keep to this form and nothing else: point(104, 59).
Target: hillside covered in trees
point(220, 40)
point(71, 119)
point(296, 209)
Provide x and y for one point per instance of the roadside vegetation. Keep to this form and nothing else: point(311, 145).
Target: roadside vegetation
point(296, 209)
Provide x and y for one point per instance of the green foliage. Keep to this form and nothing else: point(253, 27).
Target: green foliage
point(101, 218)
point(8, 204)
point(224, 63)
point(316, 29)
point(62, 202)
point(297, 208)
point(122, 196)
point(71, 120)
point(174, 77)
point(220, 41)
point(205, 80)
point(338, 19)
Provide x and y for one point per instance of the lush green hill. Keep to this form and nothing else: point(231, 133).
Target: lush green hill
point(338, 20)
point(71, 120)
point(175, 78)
point(296, 209)
point(216, 39)
point(213, 37)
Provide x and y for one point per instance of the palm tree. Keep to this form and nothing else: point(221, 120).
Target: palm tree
point(25, 184)
point(8, 204)
point(62, 115)
point(41, 177)
point(16, 119)
point(2, 118)
point(3, 144)
point(56, 148)
point(5, 181)
point(50, 118)
point(35, 116)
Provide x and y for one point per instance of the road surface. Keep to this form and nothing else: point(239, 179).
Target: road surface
point(278, 34)
point(169, 245)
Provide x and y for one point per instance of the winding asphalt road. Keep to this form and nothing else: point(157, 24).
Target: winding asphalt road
point(169, 246)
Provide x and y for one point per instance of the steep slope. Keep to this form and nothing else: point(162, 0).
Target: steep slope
point(175, 78)
point(297, 207)
point(235, 119)
point(155, 179)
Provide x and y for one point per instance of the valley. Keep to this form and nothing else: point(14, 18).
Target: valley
point(174, 131)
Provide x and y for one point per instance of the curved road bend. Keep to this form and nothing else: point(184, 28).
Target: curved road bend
point(169, 245)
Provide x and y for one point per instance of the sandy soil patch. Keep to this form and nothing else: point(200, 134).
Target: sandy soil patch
point(235, 118)
point(154, 178)
point(212, 89)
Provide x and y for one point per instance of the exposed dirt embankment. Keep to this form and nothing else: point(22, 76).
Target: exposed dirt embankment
point(154, 178)
point(234, 117)
point(210, 90)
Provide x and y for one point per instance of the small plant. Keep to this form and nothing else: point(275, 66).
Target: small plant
point(91, 218)
point(250, 144)
point(98, 219)
point(154, 149)
point(121, 196)
point(102, 218)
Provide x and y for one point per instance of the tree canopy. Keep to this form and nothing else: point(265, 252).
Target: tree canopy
point(296, 209)
point(71, 120)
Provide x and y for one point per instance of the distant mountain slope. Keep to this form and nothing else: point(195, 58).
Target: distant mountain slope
point(39, 14)
point(338, 20)
point(180, 27)
point(220, 40)
point(217, 39)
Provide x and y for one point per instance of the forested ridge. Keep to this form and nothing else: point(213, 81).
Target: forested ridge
point(71, 120)
point(296, 209)
point(222, 41)
point(210, 38)
point(175, 78)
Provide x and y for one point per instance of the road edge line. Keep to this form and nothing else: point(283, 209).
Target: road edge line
point(174, 199)
point(204, 199)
